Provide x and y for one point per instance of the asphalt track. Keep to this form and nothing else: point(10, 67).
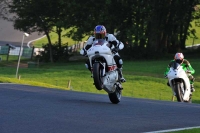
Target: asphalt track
point(28, 109)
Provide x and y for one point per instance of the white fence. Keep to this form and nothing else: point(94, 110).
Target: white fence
point(25, 51)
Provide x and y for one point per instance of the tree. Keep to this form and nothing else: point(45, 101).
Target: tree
point(40, 16)
point(155, 26)
point(152, 26)
point(169, 24)
point(4, 8)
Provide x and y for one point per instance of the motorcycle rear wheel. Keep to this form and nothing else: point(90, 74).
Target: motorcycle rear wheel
point(115, 97)
point(96, 76)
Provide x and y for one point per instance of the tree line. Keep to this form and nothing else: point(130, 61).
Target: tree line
point(146, 27)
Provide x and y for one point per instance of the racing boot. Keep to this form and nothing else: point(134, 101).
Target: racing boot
point(87, 65)
point(192, 83)
point(192, 88)
point(168, 84)
point(122, 79)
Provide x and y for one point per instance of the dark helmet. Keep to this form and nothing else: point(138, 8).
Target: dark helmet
point(99, 32)
point(179, 57)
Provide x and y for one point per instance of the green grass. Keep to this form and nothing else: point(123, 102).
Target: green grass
point(144, 78)
point(54, 39)
point(188, 131)
point(190, 40)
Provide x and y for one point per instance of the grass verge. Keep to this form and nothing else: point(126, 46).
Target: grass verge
point(144, 78)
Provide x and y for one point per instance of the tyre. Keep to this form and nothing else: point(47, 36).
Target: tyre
point(180, 90)
point(115, 97)
point(96, 76)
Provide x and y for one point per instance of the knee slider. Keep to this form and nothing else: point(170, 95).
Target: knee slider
point(121, 62)
point(118, 60)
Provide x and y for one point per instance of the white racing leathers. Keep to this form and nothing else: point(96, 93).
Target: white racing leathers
point(108, 38)
point(104, 69)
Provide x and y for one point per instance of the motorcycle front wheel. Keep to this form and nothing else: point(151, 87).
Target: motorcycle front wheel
point(180, 90)
point(96, 76)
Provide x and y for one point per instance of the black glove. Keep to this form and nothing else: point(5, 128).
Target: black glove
point(115, 50)
point(83, 52)
point(113, 42)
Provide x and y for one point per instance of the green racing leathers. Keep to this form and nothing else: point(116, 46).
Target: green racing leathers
point(186, 66)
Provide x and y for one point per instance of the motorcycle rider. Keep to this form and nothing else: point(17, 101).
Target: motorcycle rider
point(100, 33)
point(179, 58)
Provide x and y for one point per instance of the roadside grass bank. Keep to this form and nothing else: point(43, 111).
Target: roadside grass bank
point(144, 78)
point(197, 130)
point(54, 39)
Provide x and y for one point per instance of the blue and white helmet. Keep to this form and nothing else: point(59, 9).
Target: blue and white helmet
point(99, 32)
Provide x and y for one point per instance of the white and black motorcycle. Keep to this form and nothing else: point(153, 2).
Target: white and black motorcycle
point(104, 70)
point(180, 83)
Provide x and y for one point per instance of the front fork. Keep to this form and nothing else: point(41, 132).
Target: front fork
point(103, 69)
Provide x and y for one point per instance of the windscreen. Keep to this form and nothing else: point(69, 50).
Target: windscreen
point(175, 65)
point(99, 42)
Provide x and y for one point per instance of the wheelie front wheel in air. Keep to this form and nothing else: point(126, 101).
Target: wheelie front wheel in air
point(97, 76)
